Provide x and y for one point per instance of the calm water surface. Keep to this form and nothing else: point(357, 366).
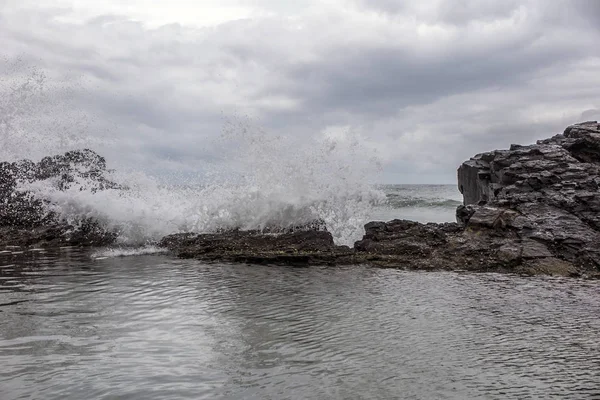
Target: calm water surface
point(152, 327)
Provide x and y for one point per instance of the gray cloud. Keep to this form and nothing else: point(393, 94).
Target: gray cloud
point(453, 12)
point(425, 85)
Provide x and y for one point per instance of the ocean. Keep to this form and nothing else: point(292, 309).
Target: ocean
point(422, 203)
point(82, 324)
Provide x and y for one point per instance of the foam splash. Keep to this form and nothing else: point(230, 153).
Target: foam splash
point(283, 186)
point(40, 117)
point(264, 180)
point(126, 252)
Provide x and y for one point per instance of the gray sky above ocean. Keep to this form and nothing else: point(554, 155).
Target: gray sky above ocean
point(421, 84)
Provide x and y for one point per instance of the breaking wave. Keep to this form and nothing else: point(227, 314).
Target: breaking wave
point(263, 180)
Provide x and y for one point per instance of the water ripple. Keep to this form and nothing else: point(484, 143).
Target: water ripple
point(74, 326)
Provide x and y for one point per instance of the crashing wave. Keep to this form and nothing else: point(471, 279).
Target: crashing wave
point(265, 182)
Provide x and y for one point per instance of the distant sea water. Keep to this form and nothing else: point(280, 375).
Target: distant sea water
point(421, 203)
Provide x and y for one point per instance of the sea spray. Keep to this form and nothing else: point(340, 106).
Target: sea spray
point(39, 116)
point(126, 252)
point(273, 182)
point(262, 180)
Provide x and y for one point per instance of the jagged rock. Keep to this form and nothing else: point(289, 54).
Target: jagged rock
point(400, 237)
point(550, 190)
point(393, 244)
point(75, 165)
point(55, 234)
point(25, 219)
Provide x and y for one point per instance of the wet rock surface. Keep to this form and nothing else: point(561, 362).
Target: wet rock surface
point(26, 220)
point(530, 210)
point(301, 247)
point(546, 193)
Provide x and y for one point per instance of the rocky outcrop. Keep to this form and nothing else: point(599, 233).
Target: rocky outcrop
point(25, 218)
point(529, 209)
point(394, 244)
point(489, 248)
point(546, 193)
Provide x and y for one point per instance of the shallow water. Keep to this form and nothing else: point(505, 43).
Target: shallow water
point(153, 327)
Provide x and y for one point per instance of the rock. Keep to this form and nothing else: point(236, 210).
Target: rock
point(473, 177)
point(295, 248)
point(549, 266)
point(548, 192)
point(83, 165)
point(492, 217)
point(400, 237)
point(25, 219)
point(533, 249)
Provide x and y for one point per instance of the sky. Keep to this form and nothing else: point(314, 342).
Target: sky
point(421, 84)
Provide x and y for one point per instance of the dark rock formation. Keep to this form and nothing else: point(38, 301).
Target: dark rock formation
point(487, 248)
point(301, 247)
point(546, 193)
point(25, 219)
point(529, 210)
point(394, 244)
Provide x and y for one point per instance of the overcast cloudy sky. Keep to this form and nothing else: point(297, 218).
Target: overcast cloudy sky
point(426, 84)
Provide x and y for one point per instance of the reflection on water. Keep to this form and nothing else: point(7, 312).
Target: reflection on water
point(151, 327)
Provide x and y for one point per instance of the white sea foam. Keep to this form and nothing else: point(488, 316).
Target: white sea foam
point(126, 252)
point(267, 180)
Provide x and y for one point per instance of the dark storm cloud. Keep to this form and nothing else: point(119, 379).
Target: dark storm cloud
point(461, 12)
point(382, 80)
point(590, 9)
point(454, 12)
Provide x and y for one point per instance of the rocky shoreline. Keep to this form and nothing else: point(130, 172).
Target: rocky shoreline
point(529, 210)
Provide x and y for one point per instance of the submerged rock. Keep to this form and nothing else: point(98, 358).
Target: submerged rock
point(25, 219)
point(529, 209)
